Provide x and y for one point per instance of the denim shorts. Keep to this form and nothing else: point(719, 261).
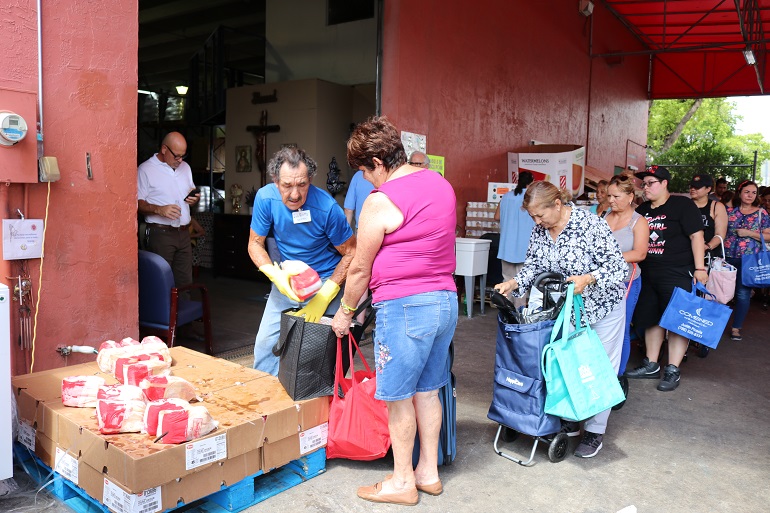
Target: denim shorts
point(411, 344)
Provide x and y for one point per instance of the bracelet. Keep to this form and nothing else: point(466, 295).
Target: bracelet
point(346, 309)
point(704, 270)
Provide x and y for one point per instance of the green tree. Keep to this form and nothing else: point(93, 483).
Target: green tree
point(699, 135)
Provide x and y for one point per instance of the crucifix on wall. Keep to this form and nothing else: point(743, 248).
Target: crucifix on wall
point(260, 132)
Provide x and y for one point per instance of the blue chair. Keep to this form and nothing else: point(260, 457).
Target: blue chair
point(161, 309)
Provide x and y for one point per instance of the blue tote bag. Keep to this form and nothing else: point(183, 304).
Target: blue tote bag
point(755, 267)
point(579, 377)
point(695, 317)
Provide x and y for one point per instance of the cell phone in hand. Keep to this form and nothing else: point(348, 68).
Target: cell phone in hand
point(192, 193)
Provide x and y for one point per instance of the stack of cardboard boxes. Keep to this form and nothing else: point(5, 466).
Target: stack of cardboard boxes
point(260, 428)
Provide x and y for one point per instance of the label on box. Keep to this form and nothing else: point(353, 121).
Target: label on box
point(119, 500)
point(27, 436)
point(66, 465)
point(205, 451)
point(313, 438)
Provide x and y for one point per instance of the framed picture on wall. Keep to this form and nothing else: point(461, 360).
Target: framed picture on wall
point(243, 159)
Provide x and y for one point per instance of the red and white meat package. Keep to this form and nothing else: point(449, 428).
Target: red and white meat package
point(131, 370)
point(110, 352)
point(304, 280)
point(121, 393)
point(80, 391)
point(153, 410)
point(174, 421)
point(116, 416)
point(120, 409)
point(168, 387)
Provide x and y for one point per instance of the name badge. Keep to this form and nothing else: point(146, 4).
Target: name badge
point(301, 216)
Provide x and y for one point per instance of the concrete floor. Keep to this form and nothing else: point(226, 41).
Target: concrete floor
point(702, 448)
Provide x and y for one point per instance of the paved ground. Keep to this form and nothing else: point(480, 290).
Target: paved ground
point(702, 448)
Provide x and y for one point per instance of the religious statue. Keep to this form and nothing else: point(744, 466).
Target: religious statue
point(236, 191)
point(333, 182)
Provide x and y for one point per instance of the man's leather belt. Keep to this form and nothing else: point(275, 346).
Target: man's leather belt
point(168, 227)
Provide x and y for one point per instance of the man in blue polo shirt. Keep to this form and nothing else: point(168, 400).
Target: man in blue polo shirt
point(308, 225)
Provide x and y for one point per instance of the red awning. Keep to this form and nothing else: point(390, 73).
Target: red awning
point(707, 48)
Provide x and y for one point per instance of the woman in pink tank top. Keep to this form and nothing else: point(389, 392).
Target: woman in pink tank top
point(405, 255)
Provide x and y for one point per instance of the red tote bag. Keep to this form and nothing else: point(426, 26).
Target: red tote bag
point(358, 423)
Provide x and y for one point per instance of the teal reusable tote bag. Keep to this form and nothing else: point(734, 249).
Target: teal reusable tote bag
point(579, 378)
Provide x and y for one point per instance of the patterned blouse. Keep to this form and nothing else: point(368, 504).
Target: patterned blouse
point(586, 245)
point(736, 247)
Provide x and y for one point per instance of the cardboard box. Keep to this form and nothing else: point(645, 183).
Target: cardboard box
point(561, 164)
point(38, 395)
point(179, 491)
point(252, 409)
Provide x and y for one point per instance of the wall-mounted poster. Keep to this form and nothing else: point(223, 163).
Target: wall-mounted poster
point(436, 164)
point(413, 142)
point(243, 159)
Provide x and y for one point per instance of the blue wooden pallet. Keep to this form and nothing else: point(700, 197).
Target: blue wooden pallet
point(231, 499)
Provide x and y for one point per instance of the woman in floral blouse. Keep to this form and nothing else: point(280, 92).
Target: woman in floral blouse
point(580, 246)
point(744, 221)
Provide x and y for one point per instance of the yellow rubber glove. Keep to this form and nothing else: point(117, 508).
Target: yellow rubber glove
point(316, 307)
point(281, 280)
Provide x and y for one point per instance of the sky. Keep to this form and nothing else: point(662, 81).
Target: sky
point(756, 115)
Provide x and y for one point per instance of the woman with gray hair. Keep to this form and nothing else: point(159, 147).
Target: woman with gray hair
point(579, 246)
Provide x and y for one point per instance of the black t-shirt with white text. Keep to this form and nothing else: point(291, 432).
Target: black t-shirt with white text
point(671, 225)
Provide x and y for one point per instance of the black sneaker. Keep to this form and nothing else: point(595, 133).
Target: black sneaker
point(647, 370)
point(670, 378)
point(570, 428)
point(589, 446)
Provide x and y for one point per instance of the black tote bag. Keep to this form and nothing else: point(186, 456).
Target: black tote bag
point(307, 352)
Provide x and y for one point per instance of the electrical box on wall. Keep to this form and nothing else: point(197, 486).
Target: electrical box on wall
point(18, 159)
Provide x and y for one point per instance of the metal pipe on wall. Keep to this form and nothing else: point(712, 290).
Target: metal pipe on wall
point(40, 78)
point(378, 67)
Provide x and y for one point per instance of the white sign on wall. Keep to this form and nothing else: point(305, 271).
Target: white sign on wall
point(413, 142)
point(22, 238)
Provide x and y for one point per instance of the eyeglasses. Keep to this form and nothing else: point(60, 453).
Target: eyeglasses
point(416, 163)
point(176, 157)
point(649, 183)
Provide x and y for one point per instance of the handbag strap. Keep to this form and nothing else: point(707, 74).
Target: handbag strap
point(565, 314)
point(338, 371)
point(281, 343)
point(579, 309)
point(698, 287)
point(631, 280)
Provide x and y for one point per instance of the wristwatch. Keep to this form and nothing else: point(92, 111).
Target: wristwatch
point(346, 309)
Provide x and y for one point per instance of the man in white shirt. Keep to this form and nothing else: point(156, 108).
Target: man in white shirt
point(166, 191)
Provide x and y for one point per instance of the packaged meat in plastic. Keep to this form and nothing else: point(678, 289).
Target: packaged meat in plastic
point(179, 426)
point(121, 393)
point(109, 344)
point(120, 416)
point(80, 391)
point(153, 410)
point(128, 341)
point(153, 344)
point(304, 280)
point(168, 387)
point(200, 423)
point(149, 348)
point(107, 355)
point(135, 372)
point(132, 369)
